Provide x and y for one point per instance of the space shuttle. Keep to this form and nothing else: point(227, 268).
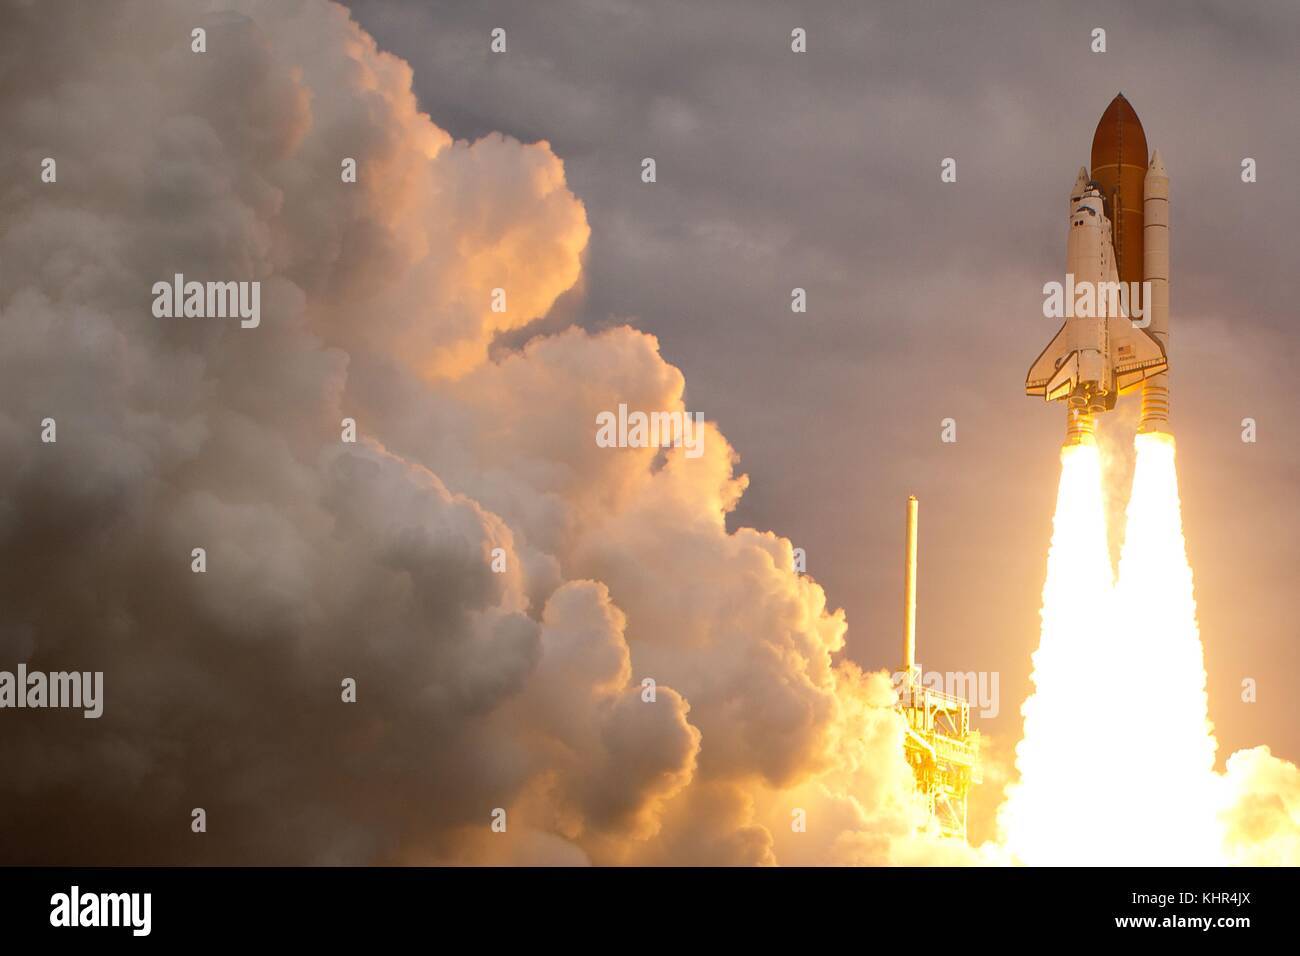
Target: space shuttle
point(1116, 292)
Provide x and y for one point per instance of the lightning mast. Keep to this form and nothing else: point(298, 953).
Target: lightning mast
point(939, 745)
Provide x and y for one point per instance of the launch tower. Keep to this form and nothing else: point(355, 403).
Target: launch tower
point(939, 745)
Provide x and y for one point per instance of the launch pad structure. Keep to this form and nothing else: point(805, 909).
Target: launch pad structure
point(938, 745)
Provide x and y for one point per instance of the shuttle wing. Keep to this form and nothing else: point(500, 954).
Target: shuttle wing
point(1136, 353)
point(1044, 371)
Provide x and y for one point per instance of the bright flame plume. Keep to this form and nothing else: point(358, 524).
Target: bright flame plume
point(1117, 759)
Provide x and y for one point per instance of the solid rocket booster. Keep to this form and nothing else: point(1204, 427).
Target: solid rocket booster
point(1155, 270)
point(1118, 240)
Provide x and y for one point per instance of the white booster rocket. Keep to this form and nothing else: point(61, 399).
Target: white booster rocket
point(1115, 297)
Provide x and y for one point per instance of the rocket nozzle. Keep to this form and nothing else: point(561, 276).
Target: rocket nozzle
point(1155, 404)
point(1080, 428)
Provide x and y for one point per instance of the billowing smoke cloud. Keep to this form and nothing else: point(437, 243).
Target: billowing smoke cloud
point(523, 690)
point(1261, 794)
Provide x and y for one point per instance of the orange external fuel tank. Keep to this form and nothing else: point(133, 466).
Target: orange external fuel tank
point(1119, 166)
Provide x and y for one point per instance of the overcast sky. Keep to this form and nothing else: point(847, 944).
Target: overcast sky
point(821, 171)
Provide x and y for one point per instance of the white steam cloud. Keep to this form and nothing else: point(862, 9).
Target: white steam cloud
point(476, 690)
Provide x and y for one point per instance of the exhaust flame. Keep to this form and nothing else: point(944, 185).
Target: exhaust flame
point(1049, 814)
point(1117, 758)
point(1170, 755)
